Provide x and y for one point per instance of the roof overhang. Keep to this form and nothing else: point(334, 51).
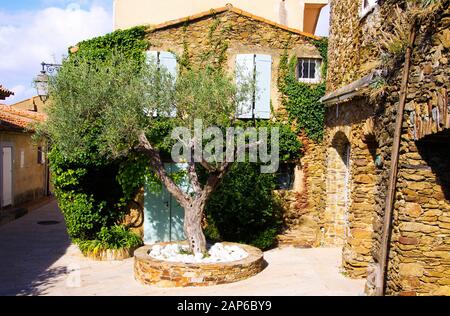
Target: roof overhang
point(18, 120)
point(311, 14)
point(4, 93)
point(346, 93)
point(231, 8)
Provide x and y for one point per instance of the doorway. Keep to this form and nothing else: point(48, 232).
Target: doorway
point(336, 228)
point(7, 199)
point(163, 215)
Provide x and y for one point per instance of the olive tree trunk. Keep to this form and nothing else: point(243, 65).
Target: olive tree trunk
point(194, 206)
point(193, 229)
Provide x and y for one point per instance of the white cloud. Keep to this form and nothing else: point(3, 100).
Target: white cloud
point(21, 92)
point(28, 38)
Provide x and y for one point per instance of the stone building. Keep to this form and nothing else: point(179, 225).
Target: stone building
point(394, 226)
point(33, 104)
point(299, 14)
point(23, 167)
point(235, 38)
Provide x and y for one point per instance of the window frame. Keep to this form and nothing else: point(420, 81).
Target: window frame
point(254, 115)
point(318, 70)
point(158, 53)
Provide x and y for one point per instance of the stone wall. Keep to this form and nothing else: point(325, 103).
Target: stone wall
point(303, 205)
point(420, 253)
point(206, 40)
point(353, 43)
point(350, 184)
point(151, 271)
point(419, 249)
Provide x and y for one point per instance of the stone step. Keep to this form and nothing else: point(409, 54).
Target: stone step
point(302, 238)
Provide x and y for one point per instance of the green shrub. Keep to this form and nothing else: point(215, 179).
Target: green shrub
point(302, 100)
point(88, 192)
point(115, 237)
point(244, 208)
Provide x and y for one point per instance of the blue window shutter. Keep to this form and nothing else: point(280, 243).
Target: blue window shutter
point(151, 55)
point(244, 69)
point(263, 85)
point(169, 61)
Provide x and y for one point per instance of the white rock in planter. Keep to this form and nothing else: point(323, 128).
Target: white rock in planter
point(217, 253)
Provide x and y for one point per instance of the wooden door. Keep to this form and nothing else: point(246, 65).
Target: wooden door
point(163, 216)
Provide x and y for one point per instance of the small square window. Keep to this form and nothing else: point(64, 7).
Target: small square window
point(284, 177)
point(308, 70)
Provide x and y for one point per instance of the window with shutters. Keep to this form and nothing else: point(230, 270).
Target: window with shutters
point(308, 70)
point(367, 6)
point(169, 62)
point(258, 67)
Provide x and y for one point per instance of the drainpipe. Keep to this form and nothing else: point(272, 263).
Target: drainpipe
point(380, 285)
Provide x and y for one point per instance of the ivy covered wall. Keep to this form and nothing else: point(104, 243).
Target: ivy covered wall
point(212, 42)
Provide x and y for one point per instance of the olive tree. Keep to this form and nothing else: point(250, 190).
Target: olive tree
point(118, 100)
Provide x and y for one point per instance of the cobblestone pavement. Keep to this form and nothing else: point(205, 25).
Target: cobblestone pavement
point(40, 260)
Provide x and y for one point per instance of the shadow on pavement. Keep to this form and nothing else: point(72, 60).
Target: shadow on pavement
point(28, 251)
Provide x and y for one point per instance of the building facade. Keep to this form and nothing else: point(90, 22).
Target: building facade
point(237, 39)
point(299, 14)
point(387, 108)
point(24, 170)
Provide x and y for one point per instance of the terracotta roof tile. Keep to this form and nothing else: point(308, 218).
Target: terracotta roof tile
point(4, 93)
point(12, 118)
point(229, 7)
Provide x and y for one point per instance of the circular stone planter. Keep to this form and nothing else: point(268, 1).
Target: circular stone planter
point(149, 270)
point(110, 254)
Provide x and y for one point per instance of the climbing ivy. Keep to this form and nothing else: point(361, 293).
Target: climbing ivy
point(93, 191)
point(90, 206)
point(322, 46)
point(300, 99)
point(131, 43)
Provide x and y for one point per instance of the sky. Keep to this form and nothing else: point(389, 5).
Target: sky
point(33, 31)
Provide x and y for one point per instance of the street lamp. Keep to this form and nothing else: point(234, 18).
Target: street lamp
point(41, 80)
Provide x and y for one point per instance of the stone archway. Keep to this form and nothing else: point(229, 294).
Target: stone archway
point(335, 220)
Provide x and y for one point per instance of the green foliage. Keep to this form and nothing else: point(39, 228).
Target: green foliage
point(98, 100)
point(322, 46)
point(210, 95)
point(244, 209)
point(130, 42)
point(289, 144)
point(87, 192)
point(92, 190)
point(301, 100)
point(115, 237)
point(131, 175)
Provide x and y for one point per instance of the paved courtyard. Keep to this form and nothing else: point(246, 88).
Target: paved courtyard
point(40, 260)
